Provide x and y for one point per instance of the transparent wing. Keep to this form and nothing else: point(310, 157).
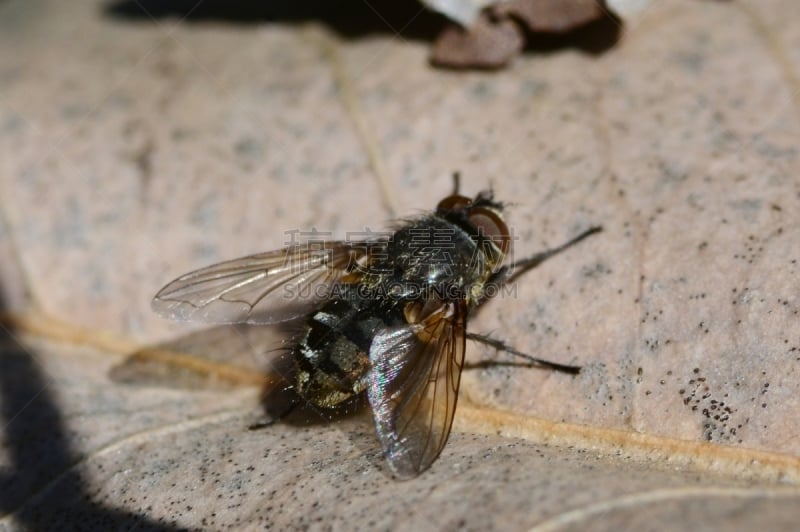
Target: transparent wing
point(413, 387)
point(265, 288)
point(216, 358)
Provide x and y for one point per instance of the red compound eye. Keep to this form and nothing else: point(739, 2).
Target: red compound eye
point(454, 203)
point(491, 226)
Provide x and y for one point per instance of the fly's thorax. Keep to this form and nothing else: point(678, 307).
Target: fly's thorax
point(433, 254)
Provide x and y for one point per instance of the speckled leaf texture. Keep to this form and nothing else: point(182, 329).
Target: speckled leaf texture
point(135, 148)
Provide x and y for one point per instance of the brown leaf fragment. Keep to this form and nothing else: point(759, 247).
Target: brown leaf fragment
point(550, 15)
point(487, 43)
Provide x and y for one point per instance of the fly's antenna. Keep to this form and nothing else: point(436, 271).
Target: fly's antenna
point(456, 182)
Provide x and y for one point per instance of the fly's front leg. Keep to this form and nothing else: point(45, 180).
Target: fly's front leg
point(510, 272)
point(507, 274)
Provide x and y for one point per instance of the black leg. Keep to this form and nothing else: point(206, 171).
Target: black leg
point(500, 345)
point(277, 403)
point(512, 271)
point(262, 423)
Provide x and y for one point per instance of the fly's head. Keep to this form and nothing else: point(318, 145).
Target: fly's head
point(483, 219)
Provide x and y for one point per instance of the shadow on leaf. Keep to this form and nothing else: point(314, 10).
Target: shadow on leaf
point(43, 484)
point(349, 18)
point(354, 19)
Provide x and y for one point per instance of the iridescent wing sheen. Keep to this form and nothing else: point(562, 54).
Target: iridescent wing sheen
point(266, 288)
point(413, 387)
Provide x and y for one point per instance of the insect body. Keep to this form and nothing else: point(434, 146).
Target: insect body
point(387, 317)
point(409, 274)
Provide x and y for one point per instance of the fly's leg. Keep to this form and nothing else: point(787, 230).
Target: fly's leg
point(502, 346)
point(510, 272)
point(277, 403)
point(507, 274)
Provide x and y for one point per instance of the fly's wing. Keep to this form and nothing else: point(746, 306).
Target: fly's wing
point(413, 387)
point(223, 357)
point(265, 288)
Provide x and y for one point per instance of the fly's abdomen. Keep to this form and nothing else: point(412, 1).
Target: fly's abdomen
point(332, 356)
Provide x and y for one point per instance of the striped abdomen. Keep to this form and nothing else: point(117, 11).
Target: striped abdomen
point(332, 356)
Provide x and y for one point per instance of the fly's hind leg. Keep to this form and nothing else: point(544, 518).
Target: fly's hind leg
point(276, 404)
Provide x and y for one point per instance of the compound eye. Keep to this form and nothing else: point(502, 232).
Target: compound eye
point(491, 226)
point(454, 203)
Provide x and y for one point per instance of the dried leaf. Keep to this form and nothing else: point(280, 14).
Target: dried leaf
point(547, 15)
point(550, 15)
point(134, 151)
point(498, 34)
point(486, 44)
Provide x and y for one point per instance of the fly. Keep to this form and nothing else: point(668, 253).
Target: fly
point(384, 317)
